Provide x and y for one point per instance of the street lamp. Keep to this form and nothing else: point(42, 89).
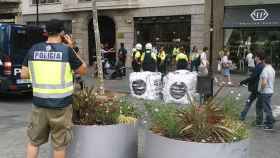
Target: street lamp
point(37, 12)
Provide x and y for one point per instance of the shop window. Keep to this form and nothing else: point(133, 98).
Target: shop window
point(164, 31)
point(241, 41)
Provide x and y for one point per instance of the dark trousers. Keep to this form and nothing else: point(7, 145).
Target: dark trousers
point(136, 67)
point(264, 105)
point(253, 96)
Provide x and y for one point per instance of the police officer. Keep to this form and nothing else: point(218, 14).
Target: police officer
point(136, 58)
point(161, 61)
point(149, 59)
point(50, 66)
point(181, 60)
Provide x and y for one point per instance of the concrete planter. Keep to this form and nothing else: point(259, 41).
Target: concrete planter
point(161, 147)
point(112, 141)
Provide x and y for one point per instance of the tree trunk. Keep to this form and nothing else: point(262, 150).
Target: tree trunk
point(98, 47)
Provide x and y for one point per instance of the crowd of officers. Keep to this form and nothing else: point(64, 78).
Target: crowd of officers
point(149, 59)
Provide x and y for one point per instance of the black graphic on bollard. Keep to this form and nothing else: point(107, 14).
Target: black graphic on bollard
point(139, 87)
point(178, 90)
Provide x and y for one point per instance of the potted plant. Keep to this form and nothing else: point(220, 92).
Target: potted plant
point(104, 126)
point(212, 130)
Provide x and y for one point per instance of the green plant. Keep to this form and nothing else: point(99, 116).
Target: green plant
point(164, 119)
point(215, 122)
point(90, 108)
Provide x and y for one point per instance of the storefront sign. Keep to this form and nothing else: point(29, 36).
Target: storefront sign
point(252, 16)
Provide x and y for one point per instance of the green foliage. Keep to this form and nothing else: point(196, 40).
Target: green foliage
point(164, 119)
point(89, 108)
point(215, 122)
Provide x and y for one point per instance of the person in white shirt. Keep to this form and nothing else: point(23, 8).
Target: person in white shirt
point(250, 62)
point(203, 67)
point(266, 90)
point(226, 64)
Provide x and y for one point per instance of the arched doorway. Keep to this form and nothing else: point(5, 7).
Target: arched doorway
point(107, 36)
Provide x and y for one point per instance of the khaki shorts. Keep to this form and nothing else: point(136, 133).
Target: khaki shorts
point(54, 122)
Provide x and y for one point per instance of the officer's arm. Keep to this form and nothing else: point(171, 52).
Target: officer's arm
point(82, 70)
point(24, 72)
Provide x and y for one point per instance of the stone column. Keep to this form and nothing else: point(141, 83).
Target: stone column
point(80, 22)
point(218, 35)
point(125, 34)
point(197, 31)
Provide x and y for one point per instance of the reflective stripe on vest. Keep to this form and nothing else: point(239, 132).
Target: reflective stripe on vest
point(51, 79)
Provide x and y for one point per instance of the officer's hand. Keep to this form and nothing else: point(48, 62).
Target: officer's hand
point(69, 40)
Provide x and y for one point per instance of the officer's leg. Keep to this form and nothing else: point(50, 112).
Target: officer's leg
point(32, 151)
point(59, 154)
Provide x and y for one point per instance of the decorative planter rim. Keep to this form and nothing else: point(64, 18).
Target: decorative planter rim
point(182, 141)
point(104, 126)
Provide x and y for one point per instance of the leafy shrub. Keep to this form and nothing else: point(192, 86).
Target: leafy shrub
point(89, 108)
point(215, 122)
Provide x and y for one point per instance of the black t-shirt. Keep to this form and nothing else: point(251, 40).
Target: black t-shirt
point(65, 54)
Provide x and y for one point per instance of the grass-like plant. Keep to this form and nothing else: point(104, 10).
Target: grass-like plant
point(215, 122)
point(89, 108)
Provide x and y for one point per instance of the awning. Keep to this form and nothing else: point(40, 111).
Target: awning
point(252, 16)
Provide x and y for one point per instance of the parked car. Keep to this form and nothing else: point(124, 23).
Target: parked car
point(15, 41)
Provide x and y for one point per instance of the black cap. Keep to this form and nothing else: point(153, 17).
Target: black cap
point(54, 27)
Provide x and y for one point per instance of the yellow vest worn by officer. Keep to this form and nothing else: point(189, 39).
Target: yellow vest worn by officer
point(161, 56)
point(136, 61)
point(175, 51)
point(149, 60)
point(51, 74)
point(181, 61)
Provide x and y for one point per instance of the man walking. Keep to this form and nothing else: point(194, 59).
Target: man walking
point(253, 82)
point(266, 90)
point(50, 65)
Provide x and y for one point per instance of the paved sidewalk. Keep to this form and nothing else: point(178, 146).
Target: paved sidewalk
point(14, 115)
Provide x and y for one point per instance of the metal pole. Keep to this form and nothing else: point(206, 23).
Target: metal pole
point(211, 74)
point(37, 12)
point(211, 39)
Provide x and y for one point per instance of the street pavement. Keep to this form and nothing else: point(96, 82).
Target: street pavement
point(14, 114)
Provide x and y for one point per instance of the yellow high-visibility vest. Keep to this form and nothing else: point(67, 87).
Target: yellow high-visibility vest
point(51, 79)
point(181, 56)
point(175, 51)
point(162, 55)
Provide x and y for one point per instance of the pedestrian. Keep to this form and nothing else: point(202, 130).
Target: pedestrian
point(250, 62)
point(226, 64)
point(50, 65)
point(181, 60)
point(161, 59)
point(122, 59)
point(195, 59)
point(149, 59)
point(252, 83)
point(136, 58)
point(266, 90)
point(203, 67)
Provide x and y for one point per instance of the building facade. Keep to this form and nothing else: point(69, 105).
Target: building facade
point(247, 26)
point(10, 11)
point(162, 22)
